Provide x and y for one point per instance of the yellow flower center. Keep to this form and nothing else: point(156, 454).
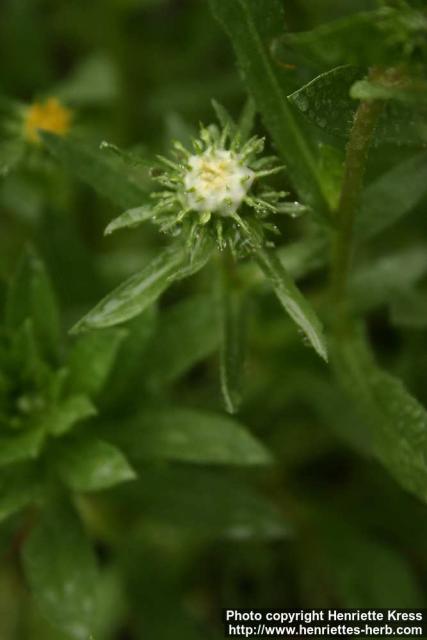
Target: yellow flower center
point(49, 115)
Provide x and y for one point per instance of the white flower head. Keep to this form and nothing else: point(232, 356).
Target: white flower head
point(217, 189)
point(216, 180)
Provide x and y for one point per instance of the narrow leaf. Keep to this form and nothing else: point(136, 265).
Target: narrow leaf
point(121, 182)
point(252, 26)
point(88, 464)
point(188, 435)
point(296, 305)
point(135, 294)
point(61, 571)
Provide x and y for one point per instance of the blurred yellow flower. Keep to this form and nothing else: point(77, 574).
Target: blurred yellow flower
point(49, 115)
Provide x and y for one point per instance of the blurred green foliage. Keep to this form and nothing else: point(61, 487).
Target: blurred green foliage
point(131, 505)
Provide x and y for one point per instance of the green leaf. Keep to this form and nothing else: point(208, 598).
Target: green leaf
point(123, 183)
point(222, 506)
point(23, 446)
point(188, 435)
point(232, 310)
point(88, 464)
point(67, 413)
point(130, 219)
point(326, 101)
point(61, 571)
point(391, 196)
point(295, 304)
point(137, 293)
point(18, 488)
point(186, 334)
point(91, 360)
point(30, 296)
point(252, 26)
point(398, 422)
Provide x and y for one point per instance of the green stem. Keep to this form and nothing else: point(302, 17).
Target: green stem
point(357, 152)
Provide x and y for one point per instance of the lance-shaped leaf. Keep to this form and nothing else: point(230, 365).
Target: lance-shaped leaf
point(252, 26)
point(122, 182)
point(296, 305)
point(137, 293)
point(89, 464)
point(391, 196)
point(91, 360)
point(327, 102)
point(30, 296)
point(188, 435)
point(397, 421)
point(60, 567)
point(130, 219)
point(232, 315)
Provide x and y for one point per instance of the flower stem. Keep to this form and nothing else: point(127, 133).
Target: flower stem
point(356, 155)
